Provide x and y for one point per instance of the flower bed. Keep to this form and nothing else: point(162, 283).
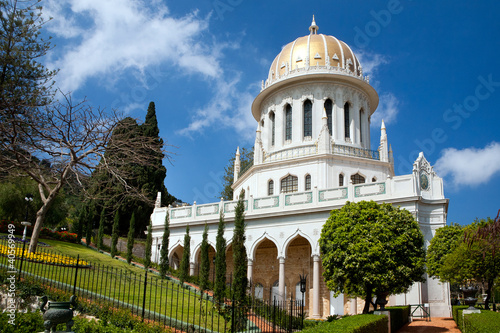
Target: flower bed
point(46, 258)
point(44, 233)
point(20, 240)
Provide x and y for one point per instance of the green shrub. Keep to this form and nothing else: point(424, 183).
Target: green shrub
point(399, 316)
point(484, 322)
point(24, 322)
point(366, 323)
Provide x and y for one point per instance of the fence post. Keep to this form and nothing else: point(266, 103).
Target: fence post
point(144, 298)
point(76, 274)
point(22, 259)
point(291, 313)
point(232, 316)
point(274, 315)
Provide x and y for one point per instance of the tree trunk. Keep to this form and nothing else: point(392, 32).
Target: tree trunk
point(368, 300)
point(488, 295)
point(40, 216)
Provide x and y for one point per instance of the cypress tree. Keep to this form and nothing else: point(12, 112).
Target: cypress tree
point(90, 225)
point(130, 239)
point(114, 235)
point(239, 255)
point(82, 217)
point(164, 248)
point(186, 255)
point(220, 262)
point(204, 261)
point(149, 243)
point(100, 233)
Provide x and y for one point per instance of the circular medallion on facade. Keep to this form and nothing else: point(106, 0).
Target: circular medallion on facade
point(424, 181)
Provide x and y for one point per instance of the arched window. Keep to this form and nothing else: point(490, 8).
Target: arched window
point(328, 110)
point(288, 122)
point(308, 183)
point(270, 187)
point(273, 127)
point(361, 122)
point(347, 121)
point(357, 179)
point(307, 118)
point(374, 180)
point(289, 184)
point(341, 180)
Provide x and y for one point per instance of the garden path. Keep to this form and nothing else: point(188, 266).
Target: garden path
point(436, 325)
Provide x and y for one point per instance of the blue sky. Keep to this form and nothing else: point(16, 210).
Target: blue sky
point(434, 64)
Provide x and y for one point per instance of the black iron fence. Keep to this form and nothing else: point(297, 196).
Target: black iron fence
point(146, 295)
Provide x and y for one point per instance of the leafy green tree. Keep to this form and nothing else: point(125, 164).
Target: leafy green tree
point(100, 233)
point(147, 178)
point(149, 244)
point(371, 249)
point(240, 281)
point(220, 262)
point(246, 161)
point(164, 265)
point(204, 260)
point(474, 259)
point(130, 238)
point(444, 242)
point(114, 235)
point(186, 255)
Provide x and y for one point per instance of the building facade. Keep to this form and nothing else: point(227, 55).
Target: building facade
point(311, 155)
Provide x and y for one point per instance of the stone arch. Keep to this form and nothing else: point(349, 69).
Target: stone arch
point(292, 237)
point(261, 239)
point(175, 255)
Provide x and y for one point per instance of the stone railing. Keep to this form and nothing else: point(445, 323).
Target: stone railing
point(313, 69)
point(356, 152)
point(400, 186)
point(286, 154)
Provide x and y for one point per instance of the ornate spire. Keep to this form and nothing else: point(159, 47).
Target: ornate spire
point(313, 28)
point(237, 165)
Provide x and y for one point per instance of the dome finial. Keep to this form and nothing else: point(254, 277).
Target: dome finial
point(313, 28)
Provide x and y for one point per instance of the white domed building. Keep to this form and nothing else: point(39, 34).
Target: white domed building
point(311, 155)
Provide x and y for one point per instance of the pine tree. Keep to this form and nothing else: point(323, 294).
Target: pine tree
point(114, 235)
point(149, 244)
point(130, 239)
point(220, 262)
point(239, 255)
point(204, 260)
point(186, 255)
point(100, 233)
point(164, 248)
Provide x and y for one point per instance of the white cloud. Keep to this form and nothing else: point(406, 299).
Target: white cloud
point(370, 62)
point(469, 166)
point(228, 108)
point(105, 38)
point(387, 110)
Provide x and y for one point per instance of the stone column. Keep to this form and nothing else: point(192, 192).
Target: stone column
point(316, 276)
point(354, 306)
point(192, 266)
point(282, 279)
point(250, 270)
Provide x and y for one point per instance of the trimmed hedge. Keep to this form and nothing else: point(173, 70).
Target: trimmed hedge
point(484, 322)
point(399, 316)
point(366, 323)
point(455, 309)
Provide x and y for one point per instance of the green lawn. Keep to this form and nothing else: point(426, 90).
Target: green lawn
point(121, 283)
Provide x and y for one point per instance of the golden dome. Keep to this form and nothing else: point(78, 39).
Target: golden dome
point(314, 50)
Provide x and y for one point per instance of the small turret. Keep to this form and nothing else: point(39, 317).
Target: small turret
point(384, 147)
point(237, 165)
point(258, 147)
point(324, 139)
